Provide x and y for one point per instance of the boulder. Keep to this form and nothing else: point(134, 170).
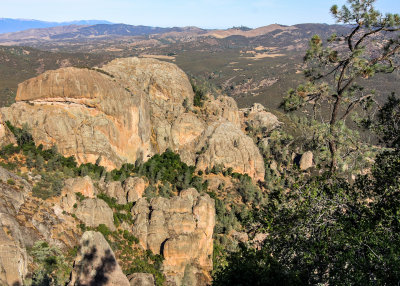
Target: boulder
point(165, 86)
point(306, 161)
point(95, 263)
point(141, 279)
point(93, 212)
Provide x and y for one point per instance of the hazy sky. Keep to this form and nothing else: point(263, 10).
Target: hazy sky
point(167, 13)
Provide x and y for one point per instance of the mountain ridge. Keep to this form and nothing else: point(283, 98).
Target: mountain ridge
point(9, 25)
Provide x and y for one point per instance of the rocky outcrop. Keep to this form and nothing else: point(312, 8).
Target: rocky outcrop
point(13, 254)
point(93, 212)
point(129, 110)
point(6, 136)
point(223, 107)
point(225, 144)
point(166, 88)
point(24, 220)
point(306, 161)
point(141, 279)
point(85, 113)
point(115, 190)
point(95, 263)
point(257, 117)
point(181, 230)
point(83, 185)
point(134, 188)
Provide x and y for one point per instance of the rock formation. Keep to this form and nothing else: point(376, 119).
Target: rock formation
point(85, 113)
point(93, 212)
point(141, 279)
point(6, 136)
point(181, 230)
point(134, 188)
point(257, 117)
point(129, 110)
point(83, 185)
point(95, 263)
point(24, 220)
point(225, 144)
point(306, 161)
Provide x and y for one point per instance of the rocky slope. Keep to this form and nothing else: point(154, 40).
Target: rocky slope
point(130, 110)
point(24, 220)
point(180, 229)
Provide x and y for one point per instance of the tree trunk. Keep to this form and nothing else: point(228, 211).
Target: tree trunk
point(332, 140)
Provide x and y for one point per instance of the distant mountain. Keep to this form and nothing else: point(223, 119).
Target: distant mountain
point(8, 25)
point(84, 32)
point(102, 30)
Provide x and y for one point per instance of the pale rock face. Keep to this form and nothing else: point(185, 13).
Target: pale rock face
point(13, 255)
point(95, 263)
point(83, 185)
point(130, 115)
point(181, 230)
point(258, 117)
point(185, 132)
point(13, 258)
point(306, 161)
point(68, 201)
point(140, 213)
point(141, 279)
point(6, 136)
point(223, 107)
point(83, 112)
point(165, 86)
point(115, 190)
point(134, 188)
point(93, 212)
point(226, 144)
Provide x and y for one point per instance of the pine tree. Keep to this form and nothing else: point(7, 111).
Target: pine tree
point(334, 68)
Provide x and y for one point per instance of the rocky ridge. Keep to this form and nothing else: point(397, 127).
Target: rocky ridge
point(128, 110)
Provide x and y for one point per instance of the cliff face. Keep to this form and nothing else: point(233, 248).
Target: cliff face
point(180, 229)
point(129, 110)
point(83, 112)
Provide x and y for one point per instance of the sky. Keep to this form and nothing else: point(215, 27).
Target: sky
point(169, 13)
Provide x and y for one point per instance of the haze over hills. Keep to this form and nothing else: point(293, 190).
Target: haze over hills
point(8, 25)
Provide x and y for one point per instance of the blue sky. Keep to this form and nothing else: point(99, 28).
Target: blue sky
point(167, 13)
